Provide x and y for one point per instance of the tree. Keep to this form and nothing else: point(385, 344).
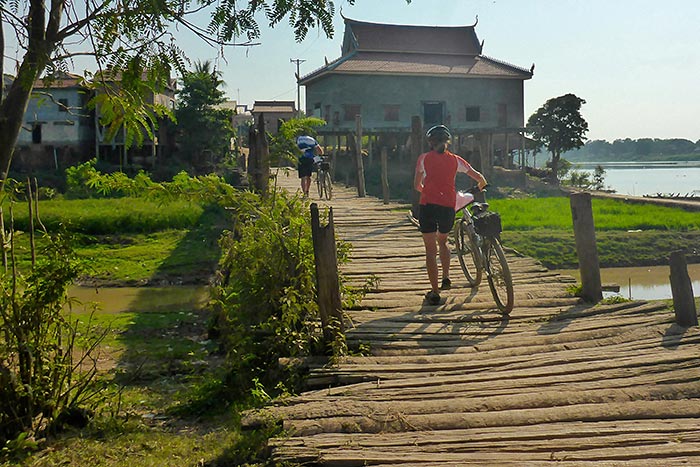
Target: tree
point(135, 40)
point(559, 126)
point(204, 131)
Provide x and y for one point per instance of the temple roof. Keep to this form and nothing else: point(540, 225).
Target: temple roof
point(390, 49)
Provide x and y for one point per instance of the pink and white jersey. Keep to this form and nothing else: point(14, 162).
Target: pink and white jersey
point(439, 171)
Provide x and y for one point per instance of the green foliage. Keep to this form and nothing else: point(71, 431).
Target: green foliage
point(204, 131)
point(579, 179)
point(575, 290)
point(614, 299)
point(283, 146)
point(266, 300)
point(598, 178)
point(643, 149)
point(124, 109)
point(559, 126)
point(46, 366)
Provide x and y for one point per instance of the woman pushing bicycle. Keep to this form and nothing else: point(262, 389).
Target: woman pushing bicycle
point(435, 180)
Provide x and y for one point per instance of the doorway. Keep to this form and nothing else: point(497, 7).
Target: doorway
point(433, 113)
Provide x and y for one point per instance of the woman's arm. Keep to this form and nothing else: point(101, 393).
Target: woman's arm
point(420, 173)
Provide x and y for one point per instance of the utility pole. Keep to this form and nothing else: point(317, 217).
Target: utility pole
point(298, 61)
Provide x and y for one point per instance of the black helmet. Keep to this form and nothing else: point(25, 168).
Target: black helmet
point(439, 133)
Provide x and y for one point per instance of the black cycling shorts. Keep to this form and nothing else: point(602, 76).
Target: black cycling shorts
point(436, 218)
point(305, 167)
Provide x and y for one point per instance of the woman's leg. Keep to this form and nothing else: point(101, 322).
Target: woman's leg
point(431, 251)
point(444, 255)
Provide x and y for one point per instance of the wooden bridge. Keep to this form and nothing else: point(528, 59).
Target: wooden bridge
point(557, 382)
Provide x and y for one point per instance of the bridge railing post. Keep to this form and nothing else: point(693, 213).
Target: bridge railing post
point(359, 164)
point(385, 175)
point(586, 250)
point(682, 291)
point(327, 280)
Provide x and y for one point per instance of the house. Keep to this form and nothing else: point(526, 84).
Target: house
point(275, 113)
point(57, 128)
point(113, 150)
point(389, 74)
point(60, 130)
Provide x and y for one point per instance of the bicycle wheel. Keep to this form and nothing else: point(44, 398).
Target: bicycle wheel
point(468, 252)
point(327, 185)
point(319, 183)
point(499, 276)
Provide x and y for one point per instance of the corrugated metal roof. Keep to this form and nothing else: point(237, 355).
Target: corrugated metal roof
point(273, 106)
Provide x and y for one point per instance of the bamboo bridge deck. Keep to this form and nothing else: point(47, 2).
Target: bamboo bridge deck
point(557, 382)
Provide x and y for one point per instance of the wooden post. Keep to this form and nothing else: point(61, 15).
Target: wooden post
point(584, 233)
point(682, 291)
point(385, 175)
point(359, 165)
point(416, 144)
point(327, 282)
point(263, 175)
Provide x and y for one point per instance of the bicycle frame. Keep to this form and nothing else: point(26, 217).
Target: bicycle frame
point(486, 253)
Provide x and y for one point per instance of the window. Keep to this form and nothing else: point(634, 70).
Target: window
point(350, 111)
point(391, 113)
point(36, 134)
point(327, 113)
point(473, 114)
point(63, 105)
point(433, 113)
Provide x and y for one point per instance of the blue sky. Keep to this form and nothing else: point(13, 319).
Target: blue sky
point(635, 62)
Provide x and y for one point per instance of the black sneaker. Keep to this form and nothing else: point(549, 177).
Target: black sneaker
point(433, 298)
point(446, 284)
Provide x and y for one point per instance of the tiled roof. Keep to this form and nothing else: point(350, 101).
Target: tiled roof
point(372, 48)
point(421, 64)
point(376, 37)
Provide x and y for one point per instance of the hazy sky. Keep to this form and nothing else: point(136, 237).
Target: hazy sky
point(635, 62)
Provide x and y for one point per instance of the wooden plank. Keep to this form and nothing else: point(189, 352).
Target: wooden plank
point(459, 384)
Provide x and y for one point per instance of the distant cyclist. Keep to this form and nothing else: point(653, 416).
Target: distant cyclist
point(435, 180)
point(311, 150)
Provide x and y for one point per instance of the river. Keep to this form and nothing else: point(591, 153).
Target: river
point(642, 178)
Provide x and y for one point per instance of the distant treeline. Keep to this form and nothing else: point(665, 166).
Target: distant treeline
point(636, 149)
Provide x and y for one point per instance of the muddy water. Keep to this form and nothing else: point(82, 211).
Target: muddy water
point(142, 299)
point(643, 283)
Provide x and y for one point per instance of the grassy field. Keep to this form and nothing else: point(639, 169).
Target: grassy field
point(626, 234)
point(131, 241)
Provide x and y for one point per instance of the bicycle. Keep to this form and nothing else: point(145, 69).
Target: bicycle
point(323, 179)
point(479, 249)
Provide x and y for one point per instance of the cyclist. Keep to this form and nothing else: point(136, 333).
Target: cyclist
point(435, 180)
point(311, 150)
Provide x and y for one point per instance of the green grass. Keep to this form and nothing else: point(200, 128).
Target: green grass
point(131, 241)
point(111, 215)
point(608, 214)
point(626, 234)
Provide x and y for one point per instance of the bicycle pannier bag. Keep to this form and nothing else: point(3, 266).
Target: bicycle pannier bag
point(488, 224)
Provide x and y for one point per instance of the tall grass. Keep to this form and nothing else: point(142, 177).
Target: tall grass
point(112, 215)
point(608, 214)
